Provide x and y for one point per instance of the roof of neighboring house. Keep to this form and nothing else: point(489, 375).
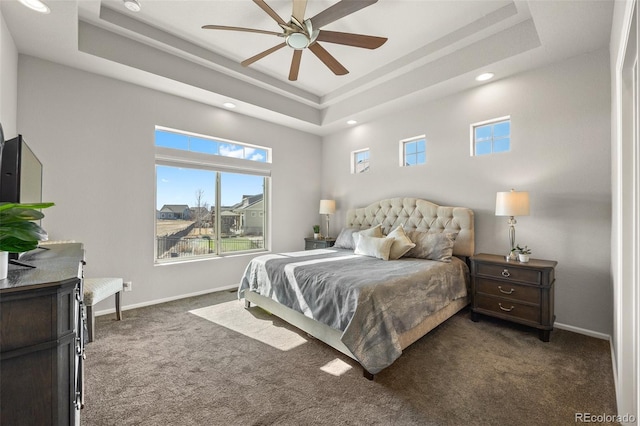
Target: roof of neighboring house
point(175, 208)
point(248, 201)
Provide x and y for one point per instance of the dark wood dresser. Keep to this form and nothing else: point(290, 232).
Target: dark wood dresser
point(514, 291)
point(41, 338)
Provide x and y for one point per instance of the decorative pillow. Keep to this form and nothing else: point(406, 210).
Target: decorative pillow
point(345, 239)
point(401, 243)
point(432, 246)
point(374, 247)
point(376, 232)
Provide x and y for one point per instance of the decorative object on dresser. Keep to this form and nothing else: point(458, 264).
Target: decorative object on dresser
point(18, 233)
point(95, 290)
point(316, 232)
point(512, 203)
point(518, 292)
point(41, 364)
point(313, 243)
point(327, 207)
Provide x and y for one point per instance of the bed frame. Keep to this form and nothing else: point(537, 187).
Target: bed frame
point(413, 214)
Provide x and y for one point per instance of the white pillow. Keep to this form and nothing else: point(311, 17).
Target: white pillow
point(401, 243)
point(376, 231)
point(374, 247)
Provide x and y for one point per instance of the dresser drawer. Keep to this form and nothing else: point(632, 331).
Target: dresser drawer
point(508, 290)
point(507, 308)
point(514, 273)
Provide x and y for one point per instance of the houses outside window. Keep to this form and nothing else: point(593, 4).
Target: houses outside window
point(360, 161)
point(209, 204)
point(492, 136)
point(413, 151)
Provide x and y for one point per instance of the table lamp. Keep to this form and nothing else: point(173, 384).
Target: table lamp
point(512, 203)
point(327, 207)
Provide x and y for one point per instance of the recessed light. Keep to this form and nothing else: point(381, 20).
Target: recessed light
point(229, 105)
point(132, 5)
point(36, 5)
point(484, 77)
point(352, 122)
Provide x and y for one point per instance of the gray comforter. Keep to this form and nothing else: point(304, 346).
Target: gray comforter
point(370, 300)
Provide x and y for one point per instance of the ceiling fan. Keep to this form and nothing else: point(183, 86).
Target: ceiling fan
point(300, 34)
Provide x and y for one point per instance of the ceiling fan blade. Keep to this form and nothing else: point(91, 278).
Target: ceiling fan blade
point(264, 6)
point(328, 60)
point(299, 6)
point(248, 30)
point(339, 10)
point(261, 55)
point(295, 65)
point(350, 39)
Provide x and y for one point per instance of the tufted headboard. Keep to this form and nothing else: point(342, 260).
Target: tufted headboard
point(416, 214)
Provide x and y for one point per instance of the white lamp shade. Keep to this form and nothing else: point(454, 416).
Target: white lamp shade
point(327, 206)
point(512, 203)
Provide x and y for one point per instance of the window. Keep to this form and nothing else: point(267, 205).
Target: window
point(168, 138)
point(360, 161)
point(211, 196)
point(413, 151)
point(491, 136)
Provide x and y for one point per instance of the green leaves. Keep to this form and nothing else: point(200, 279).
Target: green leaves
point(17, 231)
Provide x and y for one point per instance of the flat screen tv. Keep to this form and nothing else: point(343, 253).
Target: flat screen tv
point(20, 173)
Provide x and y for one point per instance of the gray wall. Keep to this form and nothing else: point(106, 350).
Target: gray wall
point(8, 81)
point(95, 137)
point(560, 153)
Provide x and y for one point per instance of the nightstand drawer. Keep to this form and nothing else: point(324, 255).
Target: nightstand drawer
point(508, 290)
point(507, 308)
point(514, 273)
point(312, 243)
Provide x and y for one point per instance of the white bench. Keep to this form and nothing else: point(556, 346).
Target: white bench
point(95, 290)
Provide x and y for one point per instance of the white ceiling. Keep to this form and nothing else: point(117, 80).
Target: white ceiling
point(434, 48)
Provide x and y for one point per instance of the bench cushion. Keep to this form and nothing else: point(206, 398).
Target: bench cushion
point(97, 289)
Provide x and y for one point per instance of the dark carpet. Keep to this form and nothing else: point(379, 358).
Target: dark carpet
point(208, 361)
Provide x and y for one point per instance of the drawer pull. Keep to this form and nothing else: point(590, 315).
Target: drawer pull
point(505, 273)
point(505, 292)
point(506, 309)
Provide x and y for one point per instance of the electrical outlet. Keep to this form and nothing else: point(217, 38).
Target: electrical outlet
point(127, 285)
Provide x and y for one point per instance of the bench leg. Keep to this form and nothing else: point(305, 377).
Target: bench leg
point(91, 322)
point(118, 310)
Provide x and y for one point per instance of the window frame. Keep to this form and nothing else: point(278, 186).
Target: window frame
point(354, 162)
point(172, 157)
point(402, 145)
point(493, 122)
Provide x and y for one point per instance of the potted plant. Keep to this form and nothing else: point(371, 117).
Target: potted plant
point(523, 253)
point(18, 232)
point(316, 232)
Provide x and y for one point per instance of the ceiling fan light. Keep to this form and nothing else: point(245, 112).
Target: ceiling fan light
point(297, 41)
point(132, 5)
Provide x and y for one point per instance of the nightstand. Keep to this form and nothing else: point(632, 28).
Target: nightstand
point(514, 291)
point(312, 243)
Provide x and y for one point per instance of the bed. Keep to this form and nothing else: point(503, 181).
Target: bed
point(367, 297)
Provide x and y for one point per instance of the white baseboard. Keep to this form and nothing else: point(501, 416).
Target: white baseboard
point(167, 299)
point(584, 331)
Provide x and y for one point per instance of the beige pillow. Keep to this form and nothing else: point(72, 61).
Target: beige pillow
point(432, 246)
point(376, 232)
point(401, 243)
point(374, 247)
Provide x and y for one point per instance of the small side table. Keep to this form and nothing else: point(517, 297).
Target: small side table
point(514, 291)
point(312, 243)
